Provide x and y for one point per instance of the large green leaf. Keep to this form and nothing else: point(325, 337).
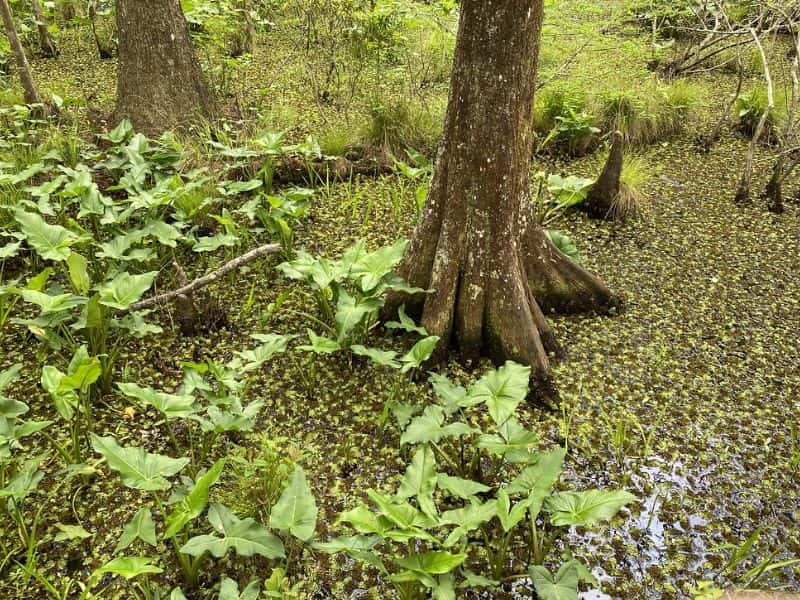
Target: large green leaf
point(83, 371)
point(465, 489)
point(272, 344)
point(429, 427)
point(9, 250)
point(364, 520)
point(121, 133)
point(296, 510)
point(9, 375)
point(503, 390)
point(419, 480)
point(320, 344)
point(50, 305)
point(130, 567)
point(193, 505)
point(352, 543)
point(244, 536)
point(213, 243)
point(51, 242)
point(320, 272)
point(406, 323)
point(79, 273)
point(402, 514)
point(419, 353)
point(382, 358)
point(509, 515)
point(371, 268)
point(172, 406)
point(468, 518)
point(350, 313)
point(11, 409)
point(138, 468)
point(229, 590)
point(564, 586)
point(515, 443)
point(541, 476)
point(68, 533)
point(64, 398)
point(453, 397)
point(431, 563)
point(586, 508)
point(25, 482)
point(564, 243)
point(125, 289)
point(141, 527)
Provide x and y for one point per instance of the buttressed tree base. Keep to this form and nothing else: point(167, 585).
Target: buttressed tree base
point(492, 270)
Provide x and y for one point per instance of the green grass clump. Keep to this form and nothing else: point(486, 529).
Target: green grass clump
point(256, 475)
point(573, 121)
point(337, 138)
point(632, 201)
point(399, 123)
point(563, 120)
point(750, 107)
point(552, 103)
point(650, 114)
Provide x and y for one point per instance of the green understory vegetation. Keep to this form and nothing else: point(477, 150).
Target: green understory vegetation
point(288, 444)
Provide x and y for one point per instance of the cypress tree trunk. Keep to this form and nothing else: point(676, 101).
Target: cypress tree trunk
point(244, 36)
point(159, 82)
point(69, 11)
point(492, 268)
point(46, 43)
point(29, 89)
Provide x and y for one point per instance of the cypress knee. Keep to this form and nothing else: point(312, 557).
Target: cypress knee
point(605, 191)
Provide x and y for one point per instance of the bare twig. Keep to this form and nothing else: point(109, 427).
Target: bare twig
point(200, 282)
point(708, 142)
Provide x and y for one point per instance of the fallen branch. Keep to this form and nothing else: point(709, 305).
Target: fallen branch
point(187, 289)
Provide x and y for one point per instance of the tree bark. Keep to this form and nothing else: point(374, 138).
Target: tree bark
point(159, 83)
point(46, 43)
point(244, 37)
point(774, 190)
point(605, 191)
point(31, 93)
point(105, 50)
point(492, 269)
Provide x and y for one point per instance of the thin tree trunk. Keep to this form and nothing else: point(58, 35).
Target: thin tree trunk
point(707, 143)
point(743, 191)
point(159, 82)
point(46, 43)
point(787, 161)
point(244, 36)
point(104, 50)
point(478, 246)
point(69, 10)
point(29, 89)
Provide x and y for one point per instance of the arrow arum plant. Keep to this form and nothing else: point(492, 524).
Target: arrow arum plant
point(472, 498)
